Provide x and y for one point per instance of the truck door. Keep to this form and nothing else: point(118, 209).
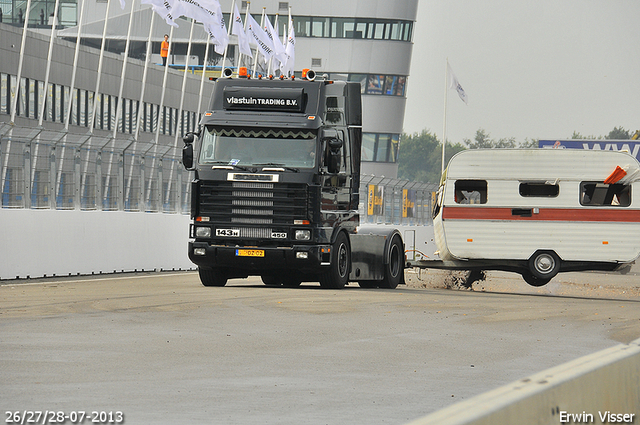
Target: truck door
point(336, 187)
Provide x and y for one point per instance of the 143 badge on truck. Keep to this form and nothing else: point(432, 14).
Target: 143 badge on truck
point(233, 233)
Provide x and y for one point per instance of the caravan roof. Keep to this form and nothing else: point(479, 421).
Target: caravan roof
point(540, 164)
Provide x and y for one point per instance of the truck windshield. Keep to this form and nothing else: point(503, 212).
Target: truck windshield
point(260, 147)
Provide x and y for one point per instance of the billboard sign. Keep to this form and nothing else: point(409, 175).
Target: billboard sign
point(631, 146)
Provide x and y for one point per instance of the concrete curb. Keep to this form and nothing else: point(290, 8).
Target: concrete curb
point(603, 383)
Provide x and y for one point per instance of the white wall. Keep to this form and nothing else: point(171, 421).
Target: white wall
point(36, 243)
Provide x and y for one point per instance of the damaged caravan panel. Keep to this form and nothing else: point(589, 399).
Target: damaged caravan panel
point(538, 212)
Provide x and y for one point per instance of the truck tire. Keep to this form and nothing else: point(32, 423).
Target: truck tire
point(270, 280)
point(212, 277)
point(291, 280)
point(544, 265)
point(338, 274)
point(395, 264)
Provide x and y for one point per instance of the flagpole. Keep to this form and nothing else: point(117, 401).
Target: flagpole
point(276, 39)
point(160, 111)
point(147, 59)
point(204, 70)
point(123, 74)
point(444, 125)
point(104, 38)
point(180, 120)
point(246, 19)
point(47, 72)
point(255, 62)
point(224, 57)
point(43, 98)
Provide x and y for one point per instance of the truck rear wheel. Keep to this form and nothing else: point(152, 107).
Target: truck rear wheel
point(212, 277)
point(338, 274)
point(395, 264)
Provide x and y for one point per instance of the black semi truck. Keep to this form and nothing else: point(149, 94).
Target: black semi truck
point(276, 187)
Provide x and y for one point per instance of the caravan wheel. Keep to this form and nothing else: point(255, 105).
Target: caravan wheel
point(544, 265)
point(534, 281)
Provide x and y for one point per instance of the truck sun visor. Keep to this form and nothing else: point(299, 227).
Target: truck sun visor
point(264, 99)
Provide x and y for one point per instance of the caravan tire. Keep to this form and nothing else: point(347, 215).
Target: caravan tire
point(534, 281)
point(544, 265)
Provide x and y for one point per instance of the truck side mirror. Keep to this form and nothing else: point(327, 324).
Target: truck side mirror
point(333, 154)
point(187, 151)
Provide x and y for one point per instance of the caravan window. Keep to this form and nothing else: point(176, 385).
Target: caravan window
point(471, 192)
point(539, 190)
point(600, 194)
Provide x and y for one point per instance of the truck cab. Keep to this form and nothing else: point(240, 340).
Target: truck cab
point(275, 189)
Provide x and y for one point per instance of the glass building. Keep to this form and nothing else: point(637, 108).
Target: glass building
point(369, 41)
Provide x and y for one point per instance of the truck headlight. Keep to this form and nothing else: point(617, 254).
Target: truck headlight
point(203, 232)
point(303, 235)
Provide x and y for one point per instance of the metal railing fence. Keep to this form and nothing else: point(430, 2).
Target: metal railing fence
point(386, 200)
point(58, 170)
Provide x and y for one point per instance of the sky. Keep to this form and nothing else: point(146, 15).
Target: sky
point(540, 69)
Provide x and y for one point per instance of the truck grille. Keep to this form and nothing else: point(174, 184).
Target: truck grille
point(250, 203)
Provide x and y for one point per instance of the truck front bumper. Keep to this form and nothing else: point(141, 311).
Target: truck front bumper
point(303, 258)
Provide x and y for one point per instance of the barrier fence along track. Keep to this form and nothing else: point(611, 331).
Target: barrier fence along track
point(58, 170)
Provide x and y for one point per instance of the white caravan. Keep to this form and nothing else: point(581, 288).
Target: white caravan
point(538, 212)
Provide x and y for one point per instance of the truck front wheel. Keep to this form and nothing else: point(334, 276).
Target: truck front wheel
point(338, 274)
point(212, 277)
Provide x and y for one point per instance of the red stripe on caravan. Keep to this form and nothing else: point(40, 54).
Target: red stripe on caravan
point(544, 214)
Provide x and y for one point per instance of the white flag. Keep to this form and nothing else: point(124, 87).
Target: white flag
point(218, 31)
point(238, 29)
point(259, 38)
point(454, 83)
point(286, 68)
point(164, 8)
point(272, 33)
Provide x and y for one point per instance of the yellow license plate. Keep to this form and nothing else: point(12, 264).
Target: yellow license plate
point(249, 253)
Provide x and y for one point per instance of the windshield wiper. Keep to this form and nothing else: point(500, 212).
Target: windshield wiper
point(273, 164)
point(235, 166)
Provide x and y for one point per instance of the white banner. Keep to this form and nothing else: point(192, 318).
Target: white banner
point(238, 30)
point(453, 83)
point(259, 38)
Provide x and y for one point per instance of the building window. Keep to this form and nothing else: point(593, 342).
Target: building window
point(380, 147)
point(355, 28)
point(376, 84)
point(4, 93)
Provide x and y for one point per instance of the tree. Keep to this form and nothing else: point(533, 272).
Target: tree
point(619, 133)
point(420, 156)
point(483, 141)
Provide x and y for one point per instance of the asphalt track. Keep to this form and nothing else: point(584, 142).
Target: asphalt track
point(163, 349)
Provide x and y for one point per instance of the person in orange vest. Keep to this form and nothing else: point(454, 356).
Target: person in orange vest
point(164, 49)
